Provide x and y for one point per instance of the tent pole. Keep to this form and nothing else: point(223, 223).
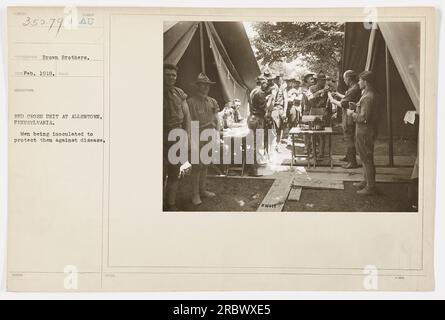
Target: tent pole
point(201, 39)
point(388, 109)
point(371, 45)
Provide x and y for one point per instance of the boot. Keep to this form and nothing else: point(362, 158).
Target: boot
point(172, 189)
point(350, 165)
point(202, 185)
point(367, 191)
point(359, 185)
point(196, 199)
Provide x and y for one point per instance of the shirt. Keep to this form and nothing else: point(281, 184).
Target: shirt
point(280, 96)
point(173, 112)
point(204, 110)
point(259, 102)
point(351, 95)
point(321, 100)
point(366, 113)
point(294, 95)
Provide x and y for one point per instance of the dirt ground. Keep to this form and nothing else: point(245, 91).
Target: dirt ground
point(233, 194)
point(390, 198)
point(402, 147)
point(239, 194)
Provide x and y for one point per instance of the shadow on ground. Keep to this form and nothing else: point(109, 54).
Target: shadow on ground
point(231, 194)
point(246, 195)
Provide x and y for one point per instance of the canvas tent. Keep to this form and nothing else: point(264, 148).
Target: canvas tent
point(220, 49)
point(391, 50)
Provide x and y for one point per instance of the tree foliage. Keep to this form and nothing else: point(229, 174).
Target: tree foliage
point(319, 44)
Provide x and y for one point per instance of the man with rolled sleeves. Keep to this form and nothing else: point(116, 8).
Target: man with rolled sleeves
point(351, 95)
point(176, 116)
point(260, 102)
point(205, 110)
point(365, 118)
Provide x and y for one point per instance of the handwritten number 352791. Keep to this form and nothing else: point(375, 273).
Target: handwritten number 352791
point(53, 23)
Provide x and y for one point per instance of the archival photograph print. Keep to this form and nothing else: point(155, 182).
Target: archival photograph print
point(291, 116)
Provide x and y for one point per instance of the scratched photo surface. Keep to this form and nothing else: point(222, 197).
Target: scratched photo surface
point(294, 150)
point(275, 116)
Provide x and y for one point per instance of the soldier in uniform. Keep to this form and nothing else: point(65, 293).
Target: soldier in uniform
point(294, 98)
point(352, 95)
point(278, 113)
point(176, 116)
point(318, 99)
point(205, 110)
point(260, 100)
point(308, 81)
point(365, 118)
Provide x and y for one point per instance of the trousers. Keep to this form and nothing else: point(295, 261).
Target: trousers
point(349, 138)
point(364, 138)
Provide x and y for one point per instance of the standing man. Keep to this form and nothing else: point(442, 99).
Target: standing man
point(365, 118)
point(318, 100)
point(205, 110)
point(278, 113)
point(352, 95)
point(271, 93)
point(271, 81)
point(176, 116)
point(308, 81)
point(294, 97)
point(260, 100)
point(236, 113)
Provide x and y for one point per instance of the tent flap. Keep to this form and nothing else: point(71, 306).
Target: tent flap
point(228, 76)
point(228, 58)
point(177, 39)
point(403, 41)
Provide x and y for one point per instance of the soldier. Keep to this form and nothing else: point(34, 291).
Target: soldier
point(308, 81)
point(318, 99)
point(294, 97)
point(278, 113)
point(236, 105)
point(176, 116)
point(365, 118)
point(205, 110)
point(352, 95)
point(260, 100)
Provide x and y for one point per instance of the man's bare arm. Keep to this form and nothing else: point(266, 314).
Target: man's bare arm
point(338, 94)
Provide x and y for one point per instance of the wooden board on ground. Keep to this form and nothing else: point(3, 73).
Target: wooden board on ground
point(349, 176)
point(277, 195)
point(295, 194)
point(352, 176)
point(396, 171)
point(402, 161)
point(380, 161)
point(319, 184)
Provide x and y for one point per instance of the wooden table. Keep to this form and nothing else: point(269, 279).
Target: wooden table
point(313, 133)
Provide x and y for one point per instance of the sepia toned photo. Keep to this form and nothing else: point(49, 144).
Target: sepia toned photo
point(295, 149)
point(291, 116)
